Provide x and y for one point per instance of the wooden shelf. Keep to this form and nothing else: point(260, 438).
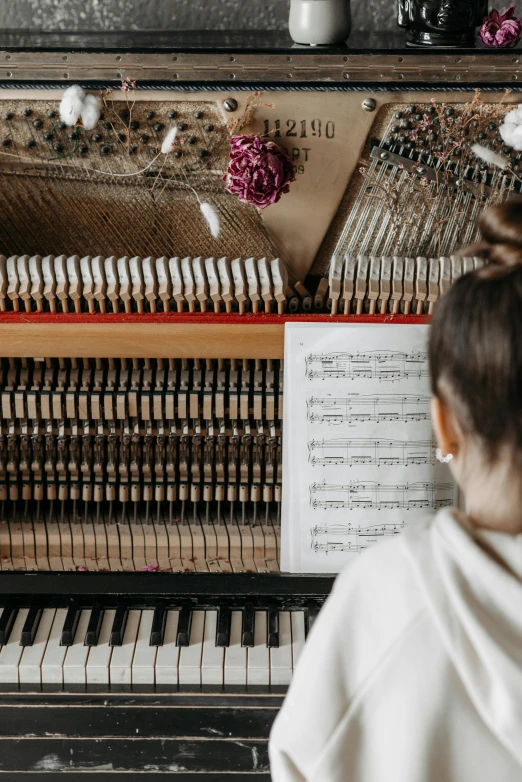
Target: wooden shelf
point(157, 336)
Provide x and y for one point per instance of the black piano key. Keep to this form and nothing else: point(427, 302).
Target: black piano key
point(273, 627)
point(119, 624)
point(31, 624)
point(70, 625)
point(94, 626)
point(7, 621)
point(247, 635)
point(159, 620)
point(312, 610)
point(184, 622)
point(223, 625)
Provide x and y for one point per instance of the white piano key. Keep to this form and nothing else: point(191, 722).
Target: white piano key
point(189, 286)
point(456, 267)
point(190, 656)
point(167, 658)
point(120, 668)
point(240, 282)
point(467, 265)
point(164, 281)
point(150, 279)
point(235, 654)
point(144, 661)
point(213, 656)
point(75, 278)
point(100, 281)
point(138, 283)
point(258, 656)
point(75, 663)
point(30, 667)
point(13, 283)
point(281, 656)
point(200, 278)
point(265, 280)
point(113, 280)
point(62, 280)
point(100, 656)
point(3, 281)
point(124, 278)
point(22, 265)
point(297, 619)
point(54, 657)
point(87, 280)
point(11, 653)
point(226, 281)
point(211, 269)
point(445, 275)
point(177, 282)
point(334, 281)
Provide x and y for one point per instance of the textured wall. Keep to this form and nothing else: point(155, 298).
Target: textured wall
point(173, 14)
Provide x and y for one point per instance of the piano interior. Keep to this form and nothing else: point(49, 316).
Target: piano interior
point(141, 378)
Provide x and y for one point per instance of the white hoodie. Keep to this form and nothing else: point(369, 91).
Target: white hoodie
point(413, 670)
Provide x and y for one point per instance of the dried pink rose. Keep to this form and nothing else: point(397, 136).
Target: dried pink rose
point(150, 568)
point(82, 569)
point(259, 172)
point(501, 29)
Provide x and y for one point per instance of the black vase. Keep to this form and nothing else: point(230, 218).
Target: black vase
point(450, 23)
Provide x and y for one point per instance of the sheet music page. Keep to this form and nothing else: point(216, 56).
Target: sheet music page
point(358, 449)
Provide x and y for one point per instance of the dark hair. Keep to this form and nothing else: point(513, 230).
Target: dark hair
point(475, 348)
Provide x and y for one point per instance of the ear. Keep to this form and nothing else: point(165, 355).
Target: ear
point(444, 426)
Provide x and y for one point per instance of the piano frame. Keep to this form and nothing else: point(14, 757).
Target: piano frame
point(110, 731)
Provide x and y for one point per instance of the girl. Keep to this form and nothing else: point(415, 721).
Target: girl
point(413, 671)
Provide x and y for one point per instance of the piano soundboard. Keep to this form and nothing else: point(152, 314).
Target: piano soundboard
point(145, 626)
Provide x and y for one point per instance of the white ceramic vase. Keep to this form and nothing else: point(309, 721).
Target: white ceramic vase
point(320, 22)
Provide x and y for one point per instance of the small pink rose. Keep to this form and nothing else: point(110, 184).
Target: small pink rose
point(259, 171)
point(501, 29)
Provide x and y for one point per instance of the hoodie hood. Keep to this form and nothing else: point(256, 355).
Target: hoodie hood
point(471, 581)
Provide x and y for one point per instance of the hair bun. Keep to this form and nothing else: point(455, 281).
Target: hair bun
point(501, 228)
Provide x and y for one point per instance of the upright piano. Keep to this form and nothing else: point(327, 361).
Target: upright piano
point(145, 627)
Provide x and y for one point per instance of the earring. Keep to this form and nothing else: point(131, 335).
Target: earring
point(443, 459)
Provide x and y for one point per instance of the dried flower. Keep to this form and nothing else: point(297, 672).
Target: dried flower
point(127, 85)
point(501, 29)
point(82, 569)
point(211, 216)
point(168, 141)
point(259, 172)
point(150, 568)
point(489, 156)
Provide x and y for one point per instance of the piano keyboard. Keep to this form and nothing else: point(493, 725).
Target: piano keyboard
point(122, 646)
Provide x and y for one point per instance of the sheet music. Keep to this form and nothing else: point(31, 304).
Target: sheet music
point(358, 450)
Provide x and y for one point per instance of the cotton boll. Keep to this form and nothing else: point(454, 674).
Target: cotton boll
point(168, 141)
point(211, 216)
point(506, 132)
point(90, 113)
point(72, 104)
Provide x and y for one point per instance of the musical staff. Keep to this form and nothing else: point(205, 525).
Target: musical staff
point(355, 539)
point(360, 451)
point(370, 495)
point(389, 366)
point(336, 410)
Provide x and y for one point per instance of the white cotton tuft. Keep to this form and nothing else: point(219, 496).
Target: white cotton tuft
point(72, 104)
point(488, 156)
point(168, 141)
point(211, 216)
point(90, 113)
point(511, 129)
